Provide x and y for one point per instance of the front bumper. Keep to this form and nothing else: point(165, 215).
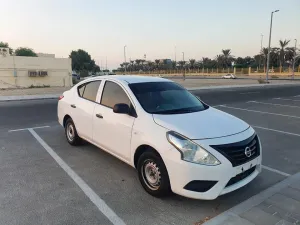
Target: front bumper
point(181, 172)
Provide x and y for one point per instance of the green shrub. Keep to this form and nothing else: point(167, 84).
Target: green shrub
point(274, 76)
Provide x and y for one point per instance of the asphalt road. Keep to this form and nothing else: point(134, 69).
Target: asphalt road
point(34, 188)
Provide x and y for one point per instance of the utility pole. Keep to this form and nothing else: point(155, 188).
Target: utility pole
point(294, 61)
point(270, 35)
point(125, 57)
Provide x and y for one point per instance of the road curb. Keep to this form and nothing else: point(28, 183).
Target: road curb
point(252, 201)
point(28, 97)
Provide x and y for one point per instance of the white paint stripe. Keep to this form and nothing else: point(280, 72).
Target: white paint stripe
point(28, 128)
point(215, 106)
point(250, 110)
point(101, 205)
point(279, 131)
point(276, 171)
point(265, 103)
point(287, 99)
point(253, 92)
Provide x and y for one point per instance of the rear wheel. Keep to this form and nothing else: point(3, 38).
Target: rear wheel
point(71, 133)
point(153, 174)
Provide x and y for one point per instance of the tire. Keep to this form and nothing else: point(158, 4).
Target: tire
point(71, 133)
point(157, 184)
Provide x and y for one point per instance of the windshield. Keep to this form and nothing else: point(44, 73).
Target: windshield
point(166, 98)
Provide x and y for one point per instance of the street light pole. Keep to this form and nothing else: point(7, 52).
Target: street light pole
point(261, 41)
point(125, 57)
point(183, 65)
point(294, 61)
point(270, 35)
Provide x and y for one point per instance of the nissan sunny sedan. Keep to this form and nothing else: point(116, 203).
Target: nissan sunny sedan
point(176, 142)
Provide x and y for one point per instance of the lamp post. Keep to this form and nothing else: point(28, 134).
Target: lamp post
point(183, 65)
point(261, 41)
point(294, 61)
point(125, 57)
point(270, 35)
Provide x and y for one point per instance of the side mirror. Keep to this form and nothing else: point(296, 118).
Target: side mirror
point(121, 108)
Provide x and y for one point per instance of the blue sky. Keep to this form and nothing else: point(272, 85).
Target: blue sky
point(102, 27)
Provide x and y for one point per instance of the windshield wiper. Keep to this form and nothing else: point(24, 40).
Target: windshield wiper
point(176, 111)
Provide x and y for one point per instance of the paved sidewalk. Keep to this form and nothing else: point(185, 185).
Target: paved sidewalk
point(277, 205)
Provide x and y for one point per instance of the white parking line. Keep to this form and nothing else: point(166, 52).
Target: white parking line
point(288, 99)
point(265, 103)
point(99, 203)
point(28, 128)
point(253, 92)
point(279, 131)
point(250, 110)
point(276, 171)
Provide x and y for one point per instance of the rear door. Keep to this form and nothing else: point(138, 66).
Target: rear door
point(112, 131)
point(83, 108)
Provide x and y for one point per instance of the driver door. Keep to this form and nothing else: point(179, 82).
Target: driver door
point(112, 131)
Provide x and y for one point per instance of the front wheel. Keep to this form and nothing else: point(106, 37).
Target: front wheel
point(153, 174)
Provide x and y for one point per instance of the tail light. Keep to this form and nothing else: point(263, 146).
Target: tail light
point(60, 97)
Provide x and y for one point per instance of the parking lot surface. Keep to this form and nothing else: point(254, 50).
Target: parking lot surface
point(44, 180)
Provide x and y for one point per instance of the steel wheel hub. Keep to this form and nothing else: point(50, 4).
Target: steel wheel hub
point(151, 175)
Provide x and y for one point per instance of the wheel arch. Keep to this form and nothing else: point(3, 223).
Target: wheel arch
point(140, 150)
point(66, 117)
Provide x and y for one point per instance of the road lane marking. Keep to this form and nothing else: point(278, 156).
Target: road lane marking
point(250, 110)
point(279, 131)
point(275, 171)
point(265, 103)
point(253, 92)
point(28, 128)
point(288, 99)
point(99, 203)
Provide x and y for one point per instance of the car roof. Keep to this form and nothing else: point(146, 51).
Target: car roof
point(131, 78)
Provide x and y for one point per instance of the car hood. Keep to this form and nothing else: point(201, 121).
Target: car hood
point(209, 123)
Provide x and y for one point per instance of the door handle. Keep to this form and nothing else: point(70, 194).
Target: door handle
point(99, 115)
point(73, 106)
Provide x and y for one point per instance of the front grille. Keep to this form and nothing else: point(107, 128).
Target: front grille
point(236, 152)
point(240, 176)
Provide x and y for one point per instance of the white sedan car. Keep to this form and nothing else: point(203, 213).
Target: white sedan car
point(176, 142)
point(229, 76)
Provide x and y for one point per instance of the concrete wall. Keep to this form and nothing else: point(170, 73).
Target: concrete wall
point(14, 71)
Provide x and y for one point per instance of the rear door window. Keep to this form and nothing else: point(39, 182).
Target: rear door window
point(89, 91)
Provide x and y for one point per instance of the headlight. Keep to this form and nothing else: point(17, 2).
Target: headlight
point(190, 151)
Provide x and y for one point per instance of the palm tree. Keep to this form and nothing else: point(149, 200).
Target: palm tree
point(220, 60)
point(157, 61)
point(264, 52)
point(283, 45)
point(192, 63)
point(227, 56)
point(181, 64)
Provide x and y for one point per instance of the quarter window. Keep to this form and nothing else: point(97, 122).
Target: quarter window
point(89, 91)
point(113, 94)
